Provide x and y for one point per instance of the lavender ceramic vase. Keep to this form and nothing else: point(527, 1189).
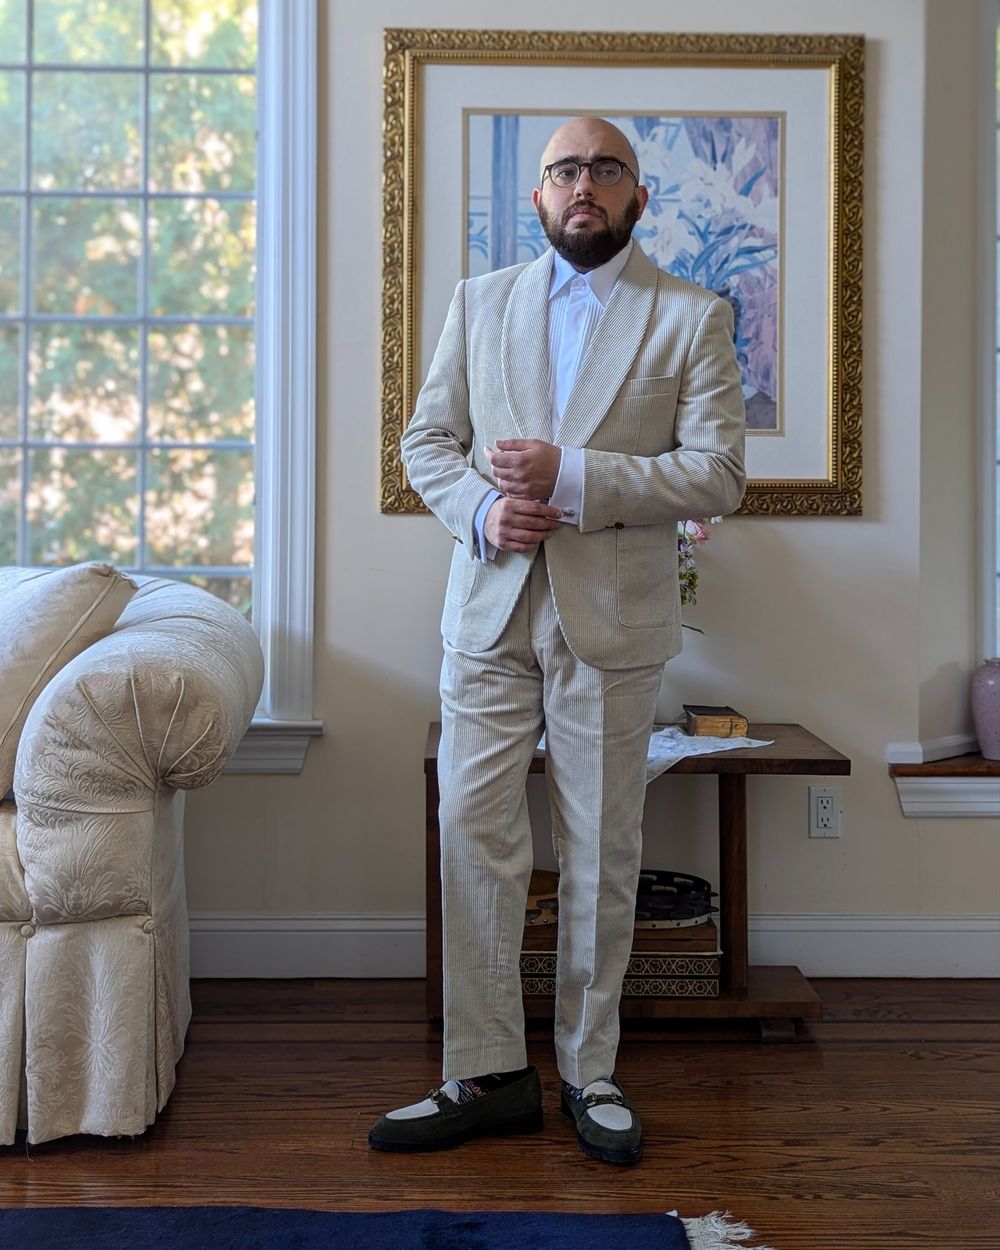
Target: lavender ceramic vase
point(985, 691)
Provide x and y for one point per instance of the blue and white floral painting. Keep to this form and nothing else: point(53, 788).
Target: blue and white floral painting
point(713, 216)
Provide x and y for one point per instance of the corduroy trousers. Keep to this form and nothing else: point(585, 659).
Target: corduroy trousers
point(597, 723)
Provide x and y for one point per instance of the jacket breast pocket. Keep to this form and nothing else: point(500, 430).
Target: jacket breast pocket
point(659, 385)
point(649, 409)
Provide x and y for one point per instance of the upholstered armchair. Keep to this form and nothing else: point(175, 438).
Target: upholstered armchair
point(116, 696)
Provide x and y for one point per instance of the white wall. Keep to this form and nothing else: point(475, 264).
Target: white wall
point(861, 628)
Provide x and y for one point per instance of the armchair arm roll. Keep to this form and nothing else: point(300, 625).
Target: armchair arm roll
point(161, 703)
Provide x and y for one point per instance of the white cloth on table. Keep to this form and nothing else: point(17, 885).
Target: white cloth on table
point(670, 743)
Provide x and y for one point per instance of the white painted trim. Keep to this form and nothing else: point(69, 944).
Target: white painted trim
point(879, 946)
point(986, 296)
point(285, 468)
point(307, 946)
point(932, 750)
point(393, 946)
point(949, 796)
point(271, 746)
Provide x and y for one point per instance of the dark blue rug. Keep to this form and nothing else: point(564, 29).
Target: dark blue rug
point(270, 1228)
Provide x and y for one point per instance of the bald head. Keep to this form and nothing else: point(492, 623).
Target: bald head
point(589, 220)
point(585, 138)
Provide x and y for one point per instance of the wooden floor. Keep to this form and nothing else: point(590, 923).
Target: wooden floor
point(879, 1128)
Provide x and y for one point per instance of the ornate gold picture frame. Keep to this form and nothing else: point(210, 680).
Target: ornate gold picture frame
point(791, 110)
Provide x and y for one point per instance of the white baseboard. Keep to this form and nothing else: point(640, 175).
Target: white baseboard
point(307, 946)
point(393, 946)
point(879, 946)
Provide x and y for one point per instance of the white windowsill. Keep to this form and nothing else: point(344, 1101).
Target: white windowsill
point(274, 746)
point(944, 777)
point(949, 796)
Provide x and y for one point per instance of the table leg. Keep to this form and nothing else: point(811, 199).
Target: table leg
point(435, 989)
point(733, 877)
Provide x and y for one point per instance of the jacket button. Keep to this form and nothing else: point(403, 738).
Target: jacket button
point(619, 525)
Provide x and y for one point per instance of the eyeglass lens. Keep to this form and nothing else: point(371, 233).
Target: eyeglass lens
point(605, 172)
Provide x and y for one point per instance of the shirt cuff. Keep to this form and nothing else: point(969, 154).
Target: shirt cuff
point(484, 548)
point(567, 495)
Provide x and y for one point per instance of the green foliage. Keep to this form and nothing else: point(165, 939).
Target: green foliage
point(205, 32)
point(12, 95)
point(86, 131)
point(86, 256)
point(106, 32)
point(10, 494)
point(10, 379)
point(201, 257)
point(82, 505)
point(10, 254)
point(13, 30)
point(199, 507)
point(84, 383)
point(202, 132)
point(200, 383)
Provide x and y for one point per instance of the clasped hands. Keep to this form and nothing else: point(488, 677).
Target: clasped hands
point(525, 470)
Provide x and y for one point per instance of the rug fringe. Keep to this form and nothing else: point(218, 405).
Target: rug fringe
point(718, 1231)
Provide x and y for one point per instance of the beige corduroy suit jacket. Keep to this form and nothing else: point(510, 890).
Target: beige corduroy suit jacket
point(658, 408)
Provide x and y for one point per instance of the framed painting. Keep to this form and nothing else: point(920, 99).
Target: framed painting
point(751, 150)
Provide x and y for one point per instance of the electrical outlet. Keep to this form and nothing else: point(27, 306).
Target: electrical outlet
point(825, 812)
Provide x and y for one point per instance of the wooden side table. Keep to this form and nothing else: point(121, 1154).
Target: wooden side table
point(776, 996)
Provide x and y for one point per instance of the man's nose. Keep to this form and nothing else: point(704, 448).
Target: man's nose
point(584, 188)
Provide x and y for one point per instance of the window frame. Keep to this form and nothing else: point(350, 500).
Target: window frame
point(989, 494)
point(285, 387)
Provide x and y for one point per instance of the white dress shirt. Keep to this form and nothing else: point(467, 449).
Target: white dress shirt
point(576, 301)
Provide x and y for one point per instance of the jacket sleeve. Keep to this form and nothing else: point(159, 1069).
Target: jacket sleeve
point(704, 474)
point(438, 441)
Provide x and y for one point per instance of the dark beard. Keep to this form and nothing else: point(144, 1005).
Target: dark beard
point(588, 249)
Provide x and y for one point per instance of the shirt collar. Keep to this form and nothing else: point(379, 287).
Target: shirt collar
point(600, 280)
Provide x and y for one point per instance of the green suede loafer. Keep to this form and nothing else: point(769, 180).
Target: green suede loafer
point(513, 1108)
point(610, 1145)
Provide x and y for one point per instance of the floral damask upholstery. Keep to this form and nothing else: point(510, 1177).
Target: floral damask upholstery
point(94, 999)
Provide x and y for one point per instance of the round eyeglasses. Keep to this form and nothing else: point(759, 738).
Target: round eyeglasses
point(605, 171)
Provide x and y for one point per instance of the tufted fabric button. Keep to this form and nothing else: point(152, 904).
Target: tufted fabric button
point(148, 926)
point(27, 930)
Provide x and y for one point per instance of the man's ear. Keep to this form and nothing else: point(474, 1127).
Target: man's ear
point(643, 194)
point(536, 195)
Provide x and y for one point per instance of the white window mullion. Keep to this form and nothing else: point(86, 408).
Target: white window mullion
point(143, 279)
point(27, 279)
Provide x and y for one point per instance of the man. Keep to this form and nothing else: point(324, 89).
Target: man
point(576, 409)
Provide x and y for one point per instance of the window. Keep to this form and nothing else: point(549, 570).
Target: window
point(127, 200)
point(156, 334)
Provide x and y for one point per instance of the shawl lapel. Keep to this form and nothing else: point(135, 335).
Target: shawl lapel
point(613, 347)
point(525, 349)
